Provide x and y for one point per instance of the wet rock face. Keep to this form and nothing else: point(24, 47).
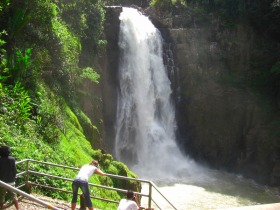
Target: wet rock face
point(109, 62)
point(221, 121)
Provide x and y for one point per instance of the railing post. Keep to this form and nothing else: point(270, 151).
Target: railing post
point(28, 187)
point(150, 195)
point(83, 205)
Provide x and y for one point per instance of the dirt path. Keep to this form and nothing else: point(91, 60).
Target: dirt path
point(26, 204)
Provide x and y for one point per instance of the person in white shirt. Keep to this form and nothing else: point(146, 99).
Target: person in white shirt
point(81, 181)
point(130, 203)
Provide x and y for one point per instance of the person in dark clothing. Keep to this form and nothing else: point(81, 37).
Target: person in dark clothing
point(8, 173)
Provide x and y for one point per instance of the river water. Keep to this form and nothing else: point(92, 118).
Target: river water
point(220, 191)
point(146, 127)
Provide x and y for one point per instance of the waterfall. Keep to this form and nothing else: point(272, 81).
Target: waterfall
point(145, 124)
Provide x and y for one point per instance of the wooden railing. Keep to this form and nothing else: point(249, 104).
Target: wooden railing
point(28, 184)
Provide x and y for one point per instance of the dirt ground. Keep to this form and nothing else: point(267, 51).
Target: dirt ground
point(26, 204)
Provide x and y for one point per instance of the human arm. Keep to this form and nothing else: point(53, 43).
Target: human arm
point(137, 201)
point(98, 171)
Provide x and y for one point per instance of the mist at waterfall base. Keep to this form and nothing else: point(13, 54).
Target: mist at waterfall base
point(146, 126)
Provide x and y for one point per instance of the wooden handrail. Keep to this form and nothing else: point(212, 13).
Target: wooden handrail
point(90, 184)
point(151, 184)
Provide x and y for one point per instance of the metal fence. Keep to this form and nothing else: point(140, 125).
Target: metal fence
point(152, 188)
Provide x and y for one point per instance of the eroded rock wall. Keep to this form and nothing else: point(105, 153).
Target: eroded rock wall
point(222, 120)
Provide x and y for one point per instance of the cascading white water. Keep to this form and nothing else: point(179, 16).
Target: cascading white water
point(145, 128)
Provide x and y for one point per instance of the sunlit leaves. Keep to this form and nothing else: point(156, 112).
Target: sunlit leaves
point(90, 74)
point(15, 104)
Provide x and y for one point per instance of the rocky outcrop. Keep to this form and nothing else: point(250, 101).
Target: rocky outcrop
point(109, 79)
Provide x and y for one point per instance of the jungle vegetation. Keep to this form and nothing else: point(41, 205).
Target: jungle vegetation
point(45, 55)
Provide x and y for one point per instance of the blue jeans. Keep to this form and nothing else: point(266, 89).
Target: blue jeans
point(76, 184)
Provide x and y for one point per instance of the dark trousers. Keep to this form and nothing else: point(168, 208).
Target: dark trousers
point(76, 184)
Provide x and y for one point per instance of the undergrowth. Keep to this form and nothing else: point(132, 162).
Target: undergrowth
point(68, 146)
point(41, 44)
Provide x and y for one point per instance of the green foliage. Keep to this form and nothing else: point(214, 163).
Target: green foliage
point(111, 166)
point(66, 76)
point(86, 19)
point(69, 43)
point(16, 68)
point(24, 59)
point(94, 20)
point(119, 168)
point(42, 43)
point(89, 73)
point(2, 42)
point(102, 42)
point(3, 61)
point(84, 120)
point(15, 104)
point(19, 72)
point(159, 3)
point(48, 115)
point(167, 3)
point(73, 118)
point(70, 148)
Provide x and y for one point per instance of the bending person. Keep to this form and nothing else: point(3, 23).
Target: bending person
point(81, 181)
point(130, 203)
point(8, 173)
